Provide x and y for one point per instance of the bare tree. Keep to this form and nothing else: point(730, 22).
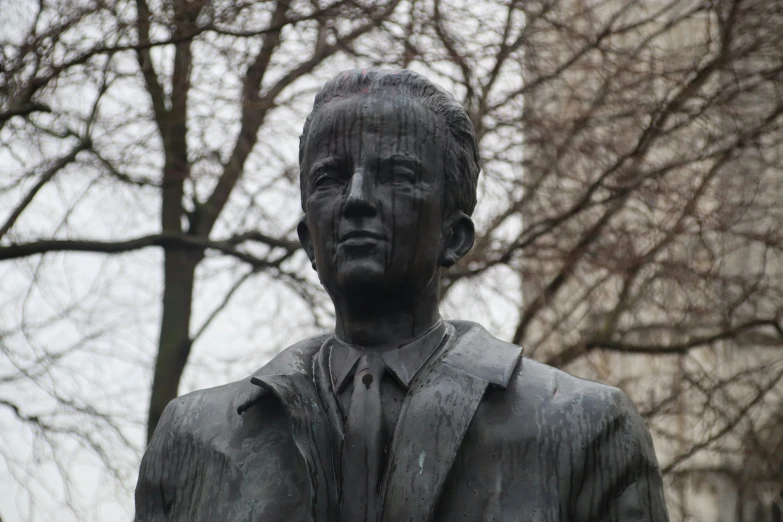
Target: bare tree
point(110, 108)
point(629, 218)
point(644, 229)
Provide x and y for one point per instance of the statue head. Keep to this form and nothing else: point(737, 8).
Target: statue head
point(388, 171)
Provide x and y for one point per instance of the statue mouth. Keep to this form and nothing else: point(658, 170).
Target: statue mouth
point(360, 237)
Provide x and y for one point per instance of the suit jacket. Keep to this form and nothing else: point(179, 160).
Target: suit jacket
point(484, 434)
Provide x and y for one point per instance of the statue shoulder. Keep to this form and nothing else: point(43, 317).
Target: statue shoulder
point(216, 409)
point(581, 411)
point(557, 389)
point(548, 422)
point(589, 429)
point(202, 432)
point(523, 388)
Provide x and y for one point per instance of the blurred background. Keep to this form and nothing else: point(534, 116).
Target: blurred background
point(630, 217)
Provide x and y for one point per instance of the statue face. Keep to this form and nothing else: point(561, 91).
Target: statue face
point(373, 213)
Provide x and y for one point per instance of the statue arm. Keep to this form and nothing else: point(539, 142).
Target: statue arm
point(155, 489)
point(622, 481)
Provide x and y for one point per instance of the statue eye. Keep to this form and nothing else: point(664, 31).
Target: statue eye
point(326, 180)
point(403, 175)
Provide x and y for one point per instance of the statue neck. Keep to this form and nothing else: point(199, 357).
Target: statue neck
point(377, 321)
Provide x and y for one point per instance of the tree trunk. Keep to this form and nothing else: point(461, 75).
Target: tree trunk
point(174, 343)
point(179, 267)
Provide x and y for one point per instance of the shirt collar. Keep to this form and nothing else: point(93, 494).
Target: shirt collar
point(404, 360)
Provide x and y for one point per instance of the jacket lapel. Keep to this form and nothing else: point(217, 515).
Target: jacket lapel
point(291, 381)
point(435, 416)
point(325, 389)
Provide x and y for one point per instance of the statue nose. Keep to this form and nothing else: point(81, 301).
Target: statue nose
point(360, 198)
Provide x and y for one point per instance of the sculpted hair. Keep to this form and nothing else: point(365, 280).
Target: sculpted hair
point(462, 156)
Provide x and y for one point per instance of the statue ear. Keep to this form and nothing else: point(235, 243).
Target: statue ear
point(459, 237)
point(303, 232)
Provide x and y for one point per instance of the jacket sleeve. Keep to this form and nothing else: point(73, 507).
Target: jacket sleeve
point(155, 489)
point(621, 481)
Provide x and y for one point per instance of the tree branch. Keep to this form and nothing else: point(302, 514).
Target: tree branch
point(43, 180)
point(21, 250)
point(144, 57)
point(577, 350)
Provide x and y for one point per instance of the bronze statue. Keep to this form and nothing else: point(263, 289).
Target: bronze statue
point(397, 415)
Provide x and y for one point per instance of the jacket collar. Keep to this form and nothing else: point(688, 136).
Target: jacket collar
point(297, 359)
point(480, 355)
point(402, 360)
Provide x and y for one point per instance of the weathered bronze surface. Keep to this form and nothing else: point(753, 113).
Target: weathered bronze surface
point(459, 426)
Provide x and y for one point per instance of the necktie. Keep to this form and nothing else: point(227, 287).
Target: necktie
point(363, 443)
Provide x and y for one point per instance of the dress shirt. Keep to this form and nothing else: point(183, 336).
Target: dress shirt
point(404, 360)
point(402, 363)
